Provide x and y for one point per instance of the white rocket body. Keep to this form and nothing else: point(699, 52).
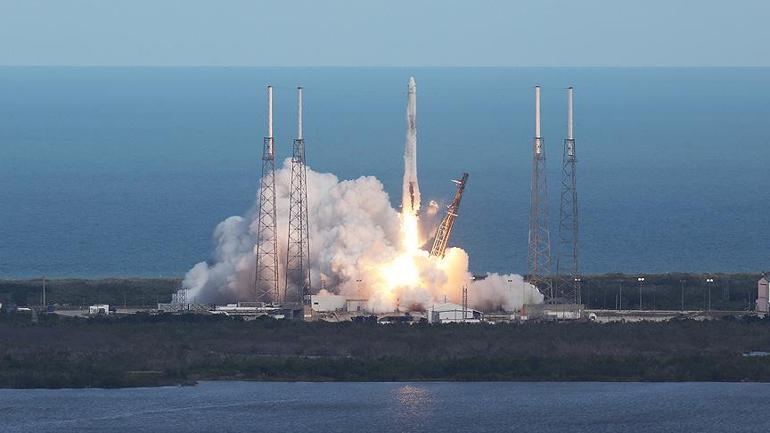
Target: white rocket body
point(410, 199)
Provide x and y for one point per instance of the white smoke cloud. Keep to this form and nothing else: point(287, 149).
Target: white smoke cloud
point(354, 239)
point(506, 292)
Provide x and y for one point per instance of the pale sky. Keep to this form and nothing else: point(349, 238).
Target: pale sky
point(385, 32)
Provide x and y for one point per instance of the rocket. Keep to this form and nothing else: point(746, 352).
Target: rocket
point(410, 199)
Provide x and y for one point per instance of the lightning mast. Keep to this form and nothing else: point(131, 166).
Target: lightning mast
point(445, 229)
point(539, 251)
point(567, 268)
point(298, 249)
point(266, 249)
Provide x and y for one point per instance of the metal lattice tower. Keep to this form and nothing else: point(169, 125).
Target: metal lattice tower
point(181, 297)
point(298, 249)
point(445, 228)
point(567, 269)
point(266, 249)
point(539, 251)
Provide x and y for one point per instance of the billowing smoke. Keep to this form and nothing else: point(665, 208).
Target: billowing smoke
point(487, 294)
point(355, 248)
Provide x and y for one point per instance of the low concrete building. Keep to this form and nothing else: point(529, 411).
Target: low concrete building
point(172, 307)
point(328, 303)
point(356, 305)
point(501, 317)
point(453, 313)
point(250, 310)
point(552, 311)
point(99, 309)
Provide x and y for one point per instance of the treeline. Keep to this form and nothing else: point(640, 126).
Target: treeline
point(83, 292)
point(674, 291)
point(157, 350)
point(735, 292)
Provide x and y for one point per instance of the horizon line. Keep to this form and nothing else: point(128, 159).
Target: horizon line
point(393, 66)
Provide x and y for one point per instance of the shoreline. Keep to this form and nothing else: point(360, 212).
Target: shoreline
point(177, 350)
point(166, 350)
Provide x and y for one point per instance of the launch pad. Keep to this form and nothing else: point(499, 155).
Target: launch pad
point(397, 267)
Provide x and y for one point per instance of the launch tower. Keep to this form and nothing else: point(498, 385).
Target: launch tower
point(539, 251)
point(266, 249)
point(567, 269)
point(298, 249)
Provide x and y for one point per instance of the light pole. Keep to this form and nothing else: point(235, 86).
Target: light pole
point(579, 280)
point(641, 285)
point(709, 282)
point(681, 282)
point(620, 295)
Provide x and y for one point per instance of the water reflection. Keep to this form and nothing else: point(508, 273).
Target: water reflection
point(412, 405)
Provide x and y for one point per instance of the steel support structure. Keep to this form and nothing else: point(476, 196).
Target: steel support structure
point(539, 251)
point(567, 258)
point(445, 228)
point(266, 248)
point(297, 288)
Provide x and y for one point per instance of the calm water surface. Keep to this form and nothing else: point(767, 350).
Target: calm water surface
point(398, 407)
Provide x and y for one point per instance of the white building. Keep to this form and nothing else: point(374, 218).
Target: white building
point(328, 303)
point(762, 296)
point(453, 313)
point(331, 303)
point(98, 309)
point(356, 305)
point(249, 310)
point(552, 311)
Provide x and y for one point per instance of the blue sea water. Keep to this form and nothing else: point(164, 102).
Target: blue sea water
point(397, 407)
point(126, 171)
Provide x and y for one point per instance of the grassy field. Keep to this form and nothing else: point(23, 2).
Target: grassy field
point(158, 350)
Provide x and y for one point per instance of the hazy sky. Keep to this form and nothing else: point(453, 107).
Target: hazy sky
point(386, 32)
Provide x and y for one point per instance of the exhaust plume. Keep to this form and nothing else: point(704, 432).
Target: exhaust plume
point(359, 246)
point(356, 242)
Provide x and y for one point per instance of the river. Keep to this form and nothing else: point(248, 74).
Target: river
point(396, 407)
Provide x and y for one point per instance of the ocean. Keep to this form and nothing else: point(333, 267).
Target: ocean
point(398, 407)
point(126, 171)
